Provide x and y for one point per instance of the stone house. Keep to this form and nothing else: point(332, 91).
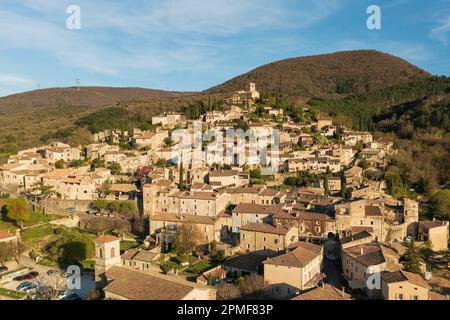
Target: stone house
point(296, 270)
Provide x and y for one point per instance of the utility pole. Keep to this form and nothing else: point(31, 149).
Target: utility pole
point(78, 84)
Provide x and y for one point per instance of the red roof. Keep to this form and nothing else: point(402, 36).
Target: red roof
point(105, 239)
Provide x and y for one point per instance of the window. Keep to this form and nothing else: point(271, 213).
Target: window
point(400, 296)
point(289, 291)
point(113, 252)
point(100, 253)
point(415, 298)
point(277, 289)
point(275, 241)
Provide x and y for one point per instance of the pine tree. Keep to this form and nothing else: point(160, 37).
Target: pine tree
point(326, 187)
point(412, 258)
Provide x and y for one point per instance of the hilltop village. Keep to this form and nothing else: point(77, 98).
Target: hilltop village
point(165, 225)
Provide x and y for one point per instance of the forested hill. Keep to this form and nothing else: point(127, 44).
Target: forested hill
point(363, 111)
point(347, 72)
point(418, 114)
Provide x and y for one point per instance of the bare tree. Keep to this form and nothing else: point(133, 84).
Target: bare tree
point(228, 292)
point(104, 189)
point(188, 237)
point(50, 287)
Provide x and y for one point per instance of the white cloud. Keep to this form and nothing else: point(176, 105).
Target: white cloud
point(441, 31)
point(11, 80)
point(150, 35)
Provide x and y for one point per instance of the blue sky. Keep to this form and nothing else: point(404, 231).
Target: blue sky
point(192, 45)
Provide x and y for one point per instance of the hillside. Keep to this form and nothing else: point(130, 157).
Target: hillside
point(345, 72)
point(416, 115)
point(71, 97)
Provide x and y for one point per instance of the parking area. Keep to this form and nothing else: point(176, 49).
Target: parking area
point(54, 280)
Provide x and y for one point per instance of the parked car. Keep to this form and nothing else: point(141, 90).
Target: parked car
point(30, 288)
point(64, 294)
point(34, 274)
point(25, 285)
point(71, 209)
point(19, 278)
point(71, 296)
point(91, 211)
point(53, 272)
point(3, 269)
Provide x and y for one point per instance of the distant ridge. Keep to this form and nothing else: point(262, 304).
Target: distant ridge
point(346, 72)
point(83, 96)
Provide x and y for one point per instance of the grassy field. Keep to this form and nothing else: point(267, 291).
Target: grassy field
point(37, 236)
point(125, 245)
point(35, 219)
point(201, 266)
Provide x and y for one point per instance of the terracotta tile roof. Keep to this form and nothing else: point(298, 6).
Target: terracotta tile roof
point(436, 296)
point(245, 190)
point(400, 276)
point(432, 224)
point(265, 228)
point(303, 254)
point(5, 234)
point(135, 285)
point(243, 208)
point(223, 173)
point(269, 193)
point(368, 254)
point(250, 261)
point(105, 239)
point(123, 187)
point(325, 292)
point(373, 211)
point(183, 218)
point(357, 229)
point(200, 195)
point(302, 215)
point(356, 236)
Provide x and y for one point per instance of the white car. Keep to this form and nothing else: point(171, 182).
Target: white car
point(30, 288)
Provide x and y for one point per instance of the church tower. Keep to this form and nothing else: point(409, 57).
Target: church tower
point(411, 216)
point(107, 255)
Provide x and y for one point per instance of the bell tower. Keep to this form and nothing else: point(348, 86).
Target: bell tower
point(107, 255)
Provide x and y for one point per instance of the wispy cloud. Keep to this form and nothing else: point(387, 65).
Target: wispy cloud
point(11, 80)
point(441, 31)
point(158, 36)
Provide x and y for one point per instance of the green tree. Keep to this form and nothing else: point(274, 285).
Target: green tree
point(343, 190)
point(43, 189)
point(18, 210)
point(440, 204)
point(60, 164)
point(411, 258)
point(115, 168)
point(181, 185)
point(213, 248)
point(363, 164)
point(326, 187)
